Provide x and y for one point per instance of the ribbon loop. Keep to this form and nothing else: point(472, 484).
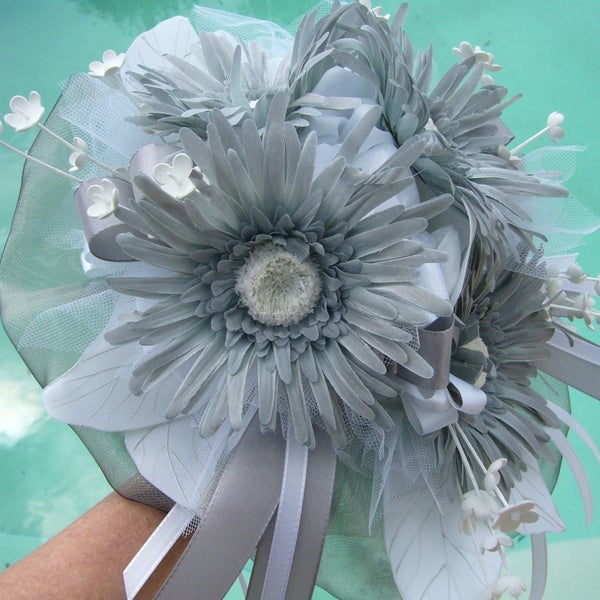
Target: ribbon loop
point(101, 233)
point(435, 346)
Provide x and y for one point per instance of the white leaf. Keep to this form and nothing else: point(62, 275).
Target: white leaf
point(430, 557)
point(172, 37)
point(169, 456)
point(533, 487)
point(177, 460)
point(95, 392)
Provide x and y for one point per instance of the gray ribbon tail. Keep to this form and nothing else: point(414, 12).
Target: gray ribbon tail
point(573, 360)
point(239, 511)
point(316, 508)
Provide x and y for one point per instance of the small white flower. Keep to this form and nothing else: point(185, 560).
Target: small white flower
point(583, 307)
point(496, 542)
point(466, 50)
point(175, 178)
point(111, 63)
point(512, 584)
point(492, 475)
point(514, 515)
point(477, 506)
point(554, 287)
point(508, 156)
point(576, 274)
point(26, 112)
point(554, 122)
point(78, 157)
point(104, 198)
point(596, 285)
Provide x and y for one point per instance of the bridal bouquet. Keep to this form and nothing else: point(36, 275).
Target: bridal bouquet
point(295, 291)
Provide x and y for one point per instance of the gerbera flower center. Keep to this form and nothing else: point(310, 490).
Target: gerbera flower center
point(478, 345)
point(276, 287)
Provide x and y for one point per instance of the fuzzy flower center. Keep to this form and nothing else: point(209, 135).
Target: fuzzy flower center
point(276, 287)
point(478, 345)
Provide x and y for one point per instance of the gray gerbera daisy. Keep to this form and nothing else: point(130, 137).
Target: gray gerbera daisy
point(222, 73)
point(279, 275)
point(461, 118)
point(502, 332)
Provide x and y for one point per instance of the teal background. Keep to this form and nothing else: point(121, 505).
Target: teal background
point(549, 51)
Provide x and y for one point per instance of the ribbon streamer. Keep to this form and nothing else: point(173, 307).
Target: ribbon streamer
point(435, 346)
point(316, 507)
point(238, 512)
point(155, 549)
point(573, 360)
point(288, 519)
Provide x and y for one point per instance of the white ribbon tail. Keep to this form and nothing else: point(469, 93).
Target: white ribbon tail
point(155, 549)
point(287, 523)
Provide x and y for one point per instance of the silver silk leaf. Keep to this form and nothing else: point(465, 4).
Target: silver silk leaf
point(430, 557)
point(179, 461)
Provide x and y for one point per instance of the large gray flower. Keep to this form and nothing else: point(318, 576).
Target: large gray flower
point(222, 74)
point(282, 276)
point(459, 115)
point(502, 333)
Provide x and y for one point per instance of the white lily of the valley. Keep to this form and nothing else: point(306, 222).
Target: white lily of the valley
point(492, 475)
point(553, 129)
point(496, 542)
point(466, 50)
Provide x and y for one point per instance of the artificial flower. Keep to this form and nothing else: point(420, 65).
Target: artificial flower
point(494, 542)
point(111, 63)
point(320, 215)
point(514, 515)
point(237, 242)
point(78, 157)
point(104, 197)
point(174, 178)
point(26, 112)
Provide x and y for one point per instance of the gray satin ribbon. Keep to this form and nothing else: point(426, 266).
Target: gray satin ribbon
point(435, 346)
point(574, 361)
point(101, 234)
point(316, 507)
point(238, 512)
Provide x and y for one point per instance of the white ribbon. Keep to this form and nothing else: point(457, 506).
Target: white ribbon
point(155, 549)
point(431, 410)
point(287, 522)
point(143, 564)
